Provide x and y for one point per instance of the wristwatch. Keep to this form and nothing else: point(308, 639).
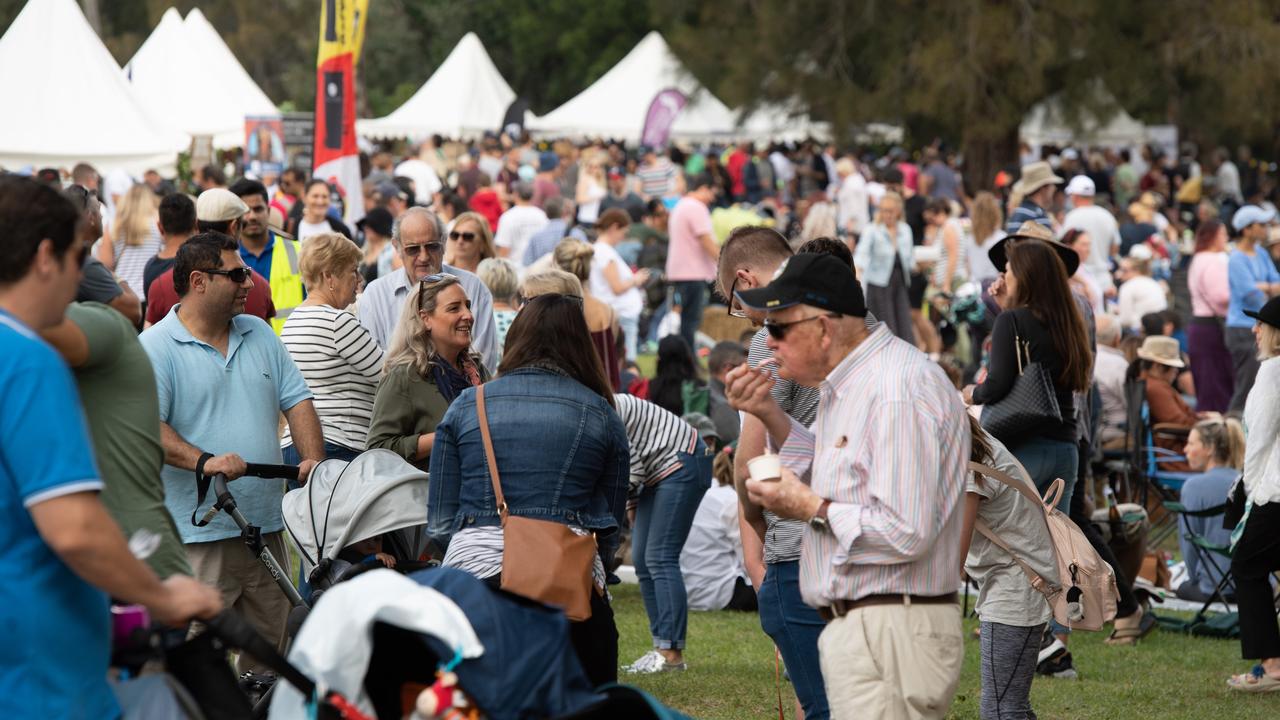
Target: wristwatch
point(819, 520)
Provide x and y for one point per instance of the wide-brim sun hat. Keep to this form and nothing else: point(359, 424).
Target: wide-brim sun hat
point(1035, 176)
point(1032, 230)
point(1163, 350)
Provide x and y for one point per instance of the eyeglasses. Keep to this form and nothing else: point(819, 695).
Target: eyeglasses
point(235, 275)
point(468, 236)
point(778, 331)
point(735, 308)
point(431, 248)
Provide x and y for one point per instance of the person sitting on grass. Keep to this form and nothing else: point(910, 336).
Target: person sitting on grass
point(711, 562)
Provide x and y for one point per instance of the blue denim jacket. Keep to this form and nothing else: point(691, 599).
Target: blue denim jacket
point(562, 455)
point(877, 253)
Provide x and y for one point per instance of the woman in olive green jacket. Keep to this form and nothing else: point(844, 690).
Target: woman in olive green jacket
point(428, 364)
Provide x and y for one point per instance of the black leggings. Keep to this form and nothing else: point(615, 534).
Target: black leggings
point(1256, 556)
point(1128, 604)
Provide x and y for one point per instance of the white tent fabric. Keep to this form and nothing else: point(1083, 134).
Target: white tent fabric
point(161, 73)
point(335, 644)
point(463, 98)
point(67, 101)
point(783, 122)
point(615, 105)
point(1046, 125)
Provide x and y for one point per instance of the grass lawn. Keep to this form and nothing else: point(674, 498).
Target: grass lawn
point(1167, 677)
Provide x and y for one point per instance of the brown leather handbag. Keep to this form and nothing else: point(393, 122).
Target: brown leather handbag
point(541, 559)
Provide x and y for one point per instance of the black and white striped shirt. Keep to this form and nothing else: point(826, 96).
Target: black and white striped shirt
point(341, 364)
point(478, 551)
point(655, 436)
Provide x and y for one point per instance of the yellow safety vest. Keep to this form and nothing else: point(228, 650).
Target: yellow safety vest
point(285, 280)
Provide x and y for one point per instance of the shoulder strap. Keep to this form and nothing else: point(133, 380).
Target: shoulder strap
point(489, 455)
point(1037, 581)
point(1018, 485)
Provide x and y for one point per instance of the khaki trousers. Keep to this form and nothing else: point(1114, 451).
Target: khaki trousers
point(894, 662)
point(246, 587)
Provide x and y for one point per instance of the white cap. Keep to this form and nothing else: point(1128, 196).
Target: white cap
point(1081, 185)
point(1141, 251)
point(219, 205)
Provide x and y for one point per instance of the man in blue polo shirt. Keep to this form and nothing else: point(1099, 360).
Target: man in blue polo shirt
point(222, 379)
point(61, 554)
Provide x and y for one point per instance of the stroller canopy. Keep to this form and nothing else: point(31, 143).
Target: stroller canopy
point(344, 503)
point(335, 644)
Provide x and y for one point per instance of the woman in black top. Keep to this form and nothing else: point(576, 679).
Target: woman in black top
point(1039, 310)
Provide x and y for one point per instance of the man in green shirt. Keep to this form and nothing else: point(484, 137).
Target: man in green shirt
point(118, 390)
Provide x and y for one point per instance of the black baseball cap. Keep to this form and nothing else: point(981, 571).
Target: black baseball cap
point(810, 279)
point(378, 220)
point(1269, 313)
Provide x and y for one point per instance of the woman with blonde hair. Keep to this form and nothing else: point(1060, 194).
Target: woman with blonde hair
point(884, 259)
point(429, 363)
point(591, 189)
point(987, 229)
point(549, 282)
point(335, 353)
point(577, 258)
point(1215, 449)
point(134, 238)
point(469, 242)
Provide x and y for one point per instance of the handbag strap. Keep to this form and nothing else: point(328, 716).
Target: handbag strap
point(1020, 347)
point(489, 455)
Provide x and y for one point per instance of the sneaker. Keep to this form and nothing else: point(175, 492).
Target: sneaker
point(1054, 659)
point(651, 663)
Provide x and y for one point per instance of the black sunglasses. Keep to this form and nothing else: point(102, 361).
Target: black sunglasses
point(235, 275)
point(468, 236)
point(778, 331)
point(432, 248)
point(735, 307)
point(430, 280)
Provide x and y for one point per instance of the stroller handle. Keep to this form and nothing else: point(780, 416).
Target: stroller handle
point(272, 472)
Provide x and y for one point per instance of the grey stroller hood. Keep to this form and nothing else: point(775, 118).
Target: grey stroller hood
point(344, 503)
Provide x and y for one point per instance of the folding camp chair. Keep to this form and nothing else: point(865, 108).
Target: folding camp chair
point(1209, 554)
point(1145, 459)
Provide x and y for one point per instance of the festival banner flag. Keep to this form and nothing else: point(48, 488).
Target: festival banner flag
point(666, 105)
point(336, 158)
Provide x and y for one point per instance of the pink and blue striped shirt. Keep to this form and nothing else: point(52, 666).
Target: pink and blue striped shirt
point(889, 448)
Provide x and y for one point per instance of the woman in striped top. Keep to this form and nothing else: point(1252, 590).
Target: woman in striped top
point(134, 238)
point(670, 472)
point(336, 355)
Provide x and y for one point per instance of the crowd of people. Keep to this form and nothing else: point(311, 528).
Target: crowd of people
point(483, 322)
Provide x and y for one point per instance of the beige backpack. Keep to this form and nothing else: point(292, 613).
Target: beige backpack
point(1086, 597)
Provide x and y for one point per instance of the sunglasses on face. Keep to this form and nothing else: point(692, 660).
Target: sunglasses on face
point(431, 248)
point(778, 331)
point(468, 236)
point(735, 308)
point(235, 275)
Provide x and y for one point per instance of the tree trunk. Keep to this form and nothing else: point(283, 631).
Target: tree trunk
point(93, 15)
point(985, 156)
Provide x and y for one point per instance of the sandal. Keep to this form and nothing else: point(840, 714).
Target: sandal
point(1131, 635)
point(1256, 680)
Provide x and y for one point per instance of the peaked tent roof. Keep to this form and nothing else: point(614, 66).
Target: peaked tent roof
point(1046, 124)
point(615, 105)
point(464, 97)
point(163, 74)
point(79, 107)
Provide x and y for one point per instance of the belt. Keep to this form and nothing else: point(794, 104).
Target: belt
point(840, 608)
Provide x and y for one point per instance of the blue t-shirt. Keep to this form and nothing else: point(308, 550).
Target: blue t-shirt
point(56, 627)
point(1243, 275)
point(1201, 492)
point(224, 405)
point(260, 264)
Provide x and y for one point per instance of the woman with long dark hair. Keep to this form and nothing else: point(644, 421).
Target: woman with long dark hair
point(1211, 365)
point(676, 377)
point(561, 453)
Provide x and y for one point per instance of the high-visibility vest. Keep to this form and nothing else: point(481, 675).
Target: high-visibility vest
point(285, 280)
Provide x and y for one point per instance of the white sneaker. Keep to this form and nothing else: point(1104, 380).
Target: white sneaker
point(651, 663)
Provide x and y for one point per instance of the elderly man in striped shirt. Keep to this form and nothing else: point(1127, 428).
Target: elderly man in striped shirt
point(879, 478)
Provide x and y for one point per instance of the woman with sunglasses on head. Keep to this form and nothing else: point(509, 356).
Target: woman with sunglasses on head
point(469, 242)
point(577, 258)
point(561, 455)
point(429, 363)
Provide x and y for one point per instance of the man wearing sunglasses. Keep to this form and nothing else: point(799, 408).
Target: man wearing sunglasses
point(418, 237)
point(223, 378)
point(879, 480)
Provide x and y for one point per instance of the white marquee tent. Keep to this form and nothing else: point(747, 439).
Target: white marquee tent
point(162, 71)
point(1046, 125)
point(463, 98)
point(615, 105)
point(68, 101)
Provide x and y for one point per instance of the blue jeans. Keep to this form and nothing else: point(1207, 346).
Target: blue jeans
point(1047, 460)
point(663, 518)
point(631, 331)
point(693, 298)
point(794, 627)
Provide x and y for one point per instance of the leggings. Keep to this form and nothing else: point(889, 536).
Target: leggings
point(1009, 656)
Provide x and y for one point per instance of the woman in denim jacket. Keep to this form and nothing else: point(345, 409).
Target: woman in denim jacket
point(562, 454)
point(884, 260)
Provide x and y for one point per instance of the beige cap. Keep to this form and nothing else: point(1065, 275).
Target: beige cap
point(219, 205)
point(1161, 349)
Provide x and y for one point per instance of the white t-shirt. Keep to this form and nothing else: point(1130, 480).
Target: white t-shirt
point(1138, 296)
point(711, 560)
point(425, 180)
point(516, 226)
point(310, 229)
point(630, 302)
point(1103, 233)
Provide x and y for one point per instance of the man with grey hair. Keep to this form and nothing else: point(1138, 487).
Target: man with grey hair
point(1109, 368)
point(519, 223)
point(418, 237)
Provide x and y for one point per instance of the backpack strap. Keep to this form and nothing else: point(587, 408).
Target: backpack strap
point(1038, 583)
point(1003, 477)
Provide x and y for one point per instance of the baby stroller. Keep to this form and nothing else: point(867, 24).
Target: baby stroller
point(375, 496)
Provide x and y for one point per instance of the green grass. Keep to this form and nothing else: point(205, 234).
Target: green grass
point(1167, 677)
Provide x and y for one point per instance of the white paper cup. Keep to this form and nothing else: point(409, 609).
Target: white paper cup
point(767, 467)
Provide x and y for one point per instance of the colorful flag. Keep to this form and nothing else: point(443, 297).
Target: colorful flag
point(336, 158)
point(666, 105)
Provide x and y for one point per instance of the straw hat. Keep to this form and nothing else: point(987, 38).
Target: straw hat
point(1032, 230)
point(1035, 176)
point(1161, 349)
